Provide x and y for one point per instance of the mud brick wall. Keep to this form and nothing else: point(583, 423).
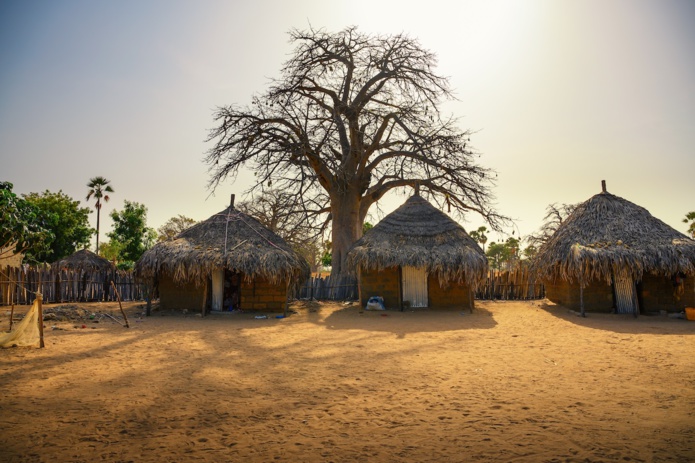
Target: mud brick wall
point(598, 295)
point(453, 296)
point(261, 294)
point(385, 283)
point(174, 296)
point(659, 293)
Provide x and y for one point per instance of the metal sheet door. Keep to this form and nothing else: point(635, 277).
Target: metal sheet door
point(625, 297)
point(414, 281)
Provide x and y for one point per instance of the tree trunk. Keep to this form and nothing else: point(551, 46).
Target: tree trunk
point(98, 213)
point(346, 229)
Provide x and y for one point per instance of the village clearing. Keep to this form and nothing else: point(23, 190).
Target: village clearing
point(510, 382)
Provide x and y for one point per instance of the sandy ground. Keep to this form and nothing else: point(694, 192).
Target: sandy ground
point(512, 382)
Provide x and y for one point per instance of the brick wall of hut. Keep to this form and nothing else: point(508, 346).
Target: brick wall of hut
point(173, 296)
point(387, 284)
point(598, 295)
point(657, 292)
point(261, 294)
point(453, 296)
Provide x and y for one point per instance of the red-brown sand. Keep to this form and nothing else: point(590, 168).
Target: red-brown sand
point(512, 382)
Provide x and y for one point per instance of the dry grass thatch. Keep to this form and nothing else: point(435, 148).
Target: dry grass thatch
point(229, 239)
point(419, 235)
point(607, 235)
point(83, 260)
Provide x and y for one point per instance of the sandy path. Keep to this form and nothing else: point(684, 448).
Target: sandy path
point(513, 382)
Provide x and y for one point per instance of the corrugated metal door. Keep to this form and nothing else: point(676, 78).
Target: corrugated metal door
point(625, 297)
point(414, 286)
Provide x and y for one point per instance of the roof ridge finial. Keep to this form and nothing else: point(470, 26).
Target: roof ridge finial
point(603, 186)
point(416, 187)
point(231, 202)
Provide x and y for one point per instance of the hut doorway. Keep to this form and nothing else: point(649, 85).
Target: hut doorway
point(226, 290)
point(414, 284)
point(232, 290)
point(625, 295)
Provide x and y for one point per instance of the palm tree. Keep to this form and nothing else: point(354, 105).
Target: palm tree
point(97, 187)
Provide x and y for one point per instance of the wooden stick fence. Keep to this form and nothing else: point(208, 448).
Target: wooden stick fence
point(18, 285)
point(517, 284)
point(324, 288)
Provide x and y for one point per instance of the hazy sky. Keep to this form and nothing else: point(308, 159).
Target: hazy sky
point(560, 94)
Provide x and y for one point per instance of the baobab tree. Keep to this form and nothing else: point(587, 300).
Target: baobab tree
point(98, 187)
point(352, 117)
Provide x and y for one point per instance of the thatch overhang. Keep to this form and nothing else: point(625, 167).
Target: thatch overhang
point(84, 260)
point(608, 235)
point(228, 240)
point(418, 234)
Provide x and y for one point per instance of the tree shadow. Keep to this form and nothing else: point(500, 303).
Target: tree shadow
point(401, 323)
point(621, 323)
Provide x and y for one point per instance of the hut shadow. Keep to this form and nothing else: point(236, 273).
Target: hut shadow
point(353, 317)
point(621, 323)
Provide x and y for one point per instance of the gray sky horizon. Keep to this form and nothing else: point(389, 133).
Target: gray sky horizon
point(559, 95)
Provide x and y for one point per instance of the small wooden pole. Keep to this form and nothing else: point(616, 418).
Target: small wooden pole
point(581, 298)
point(205, 300)
point(118, 296)
point(11, 315)
point(39, 300)
point(287, 298)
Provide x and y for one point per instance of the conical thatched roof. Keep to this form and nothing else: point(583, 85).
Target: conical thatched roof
point(83, 260)
point(609, 234)
point(419, 235)
point(229, 239)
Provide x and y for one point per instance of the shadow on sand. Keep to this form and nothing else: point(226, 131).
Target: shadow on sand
point(622, 323)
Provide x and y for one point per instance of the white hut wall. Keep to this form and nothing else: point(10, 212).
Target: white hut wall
point(385, 283)
point(598, 295)
point(452, 296)
point(669, 293)
point(176, 296)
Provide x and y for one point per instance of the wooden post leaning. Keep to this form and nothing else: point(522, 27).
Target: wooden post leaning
point(118, 296)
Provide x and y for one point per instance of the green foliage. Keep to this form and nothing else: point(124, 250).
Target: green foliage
point(110, 250)
point(130, 231)
point(23, 225)
point(68, 222)
point(504, 254)
point(690, 217)
point(530, 252)
point(98, 187)
point(479, 236)
point(173, 227)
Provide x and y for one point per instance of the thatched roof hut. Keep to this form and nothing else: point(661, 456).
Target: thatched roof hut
point(84, 260)
point(608, 232)
point(217, 252)
point(607, 238)
point(421, 236)
point(229, 239)
point(83, 275)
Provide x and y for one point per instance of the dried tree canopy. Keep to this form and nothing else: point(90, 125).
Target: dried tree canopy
point(352, 117)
